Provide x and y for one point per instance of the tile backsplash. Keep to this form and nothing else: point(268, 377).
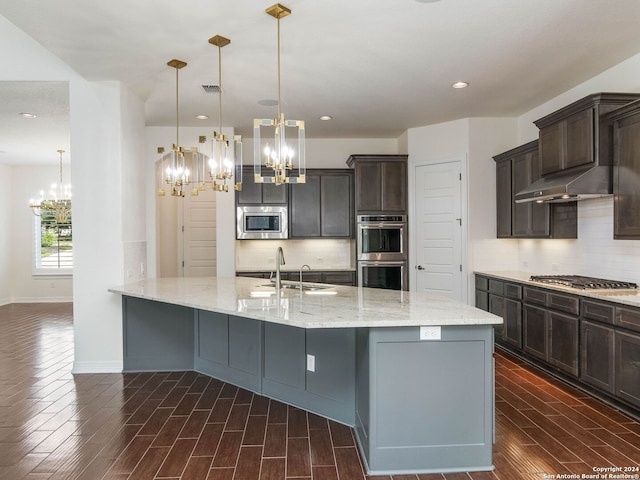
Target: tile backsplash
point(595, 252)
point(320, 254)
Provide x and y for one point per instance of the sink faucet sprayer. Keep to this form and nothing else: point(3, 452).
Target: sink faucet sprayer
point(279, 261)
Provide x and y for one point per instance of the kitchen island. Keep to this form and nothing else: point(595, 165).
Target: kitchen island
point(411, 372)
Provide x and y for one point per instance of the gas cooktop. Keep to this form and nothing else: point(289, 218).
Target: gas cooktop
point(583, 283)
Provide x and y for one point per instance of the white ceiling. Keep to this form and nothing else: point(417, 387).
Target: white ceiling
point(378, 67)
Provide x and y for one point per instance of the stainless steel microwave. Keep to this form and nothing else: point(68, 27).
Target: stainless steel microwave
point(262, 222)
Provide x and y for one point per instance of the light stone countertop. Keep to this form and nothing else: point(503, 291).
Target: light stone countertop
point(624, 297)
point(331, 307)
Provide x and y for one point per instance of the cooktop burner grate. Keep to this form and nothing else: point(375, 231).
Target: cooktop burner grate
point(584, 283)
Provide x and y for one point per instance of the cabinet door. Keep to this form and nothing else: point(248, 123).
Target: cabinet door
point(304, 208)
point(368, 186)
point(336, 205)
point(482, 300)
point(579, 141)
point(496, 306)
point(551, 148)
point(251, 193)
point(504, 198)
point(563, 342)
point(597, 359)
point(394, 186)
point(530, 219)
point(628, 367)
point(535, 331)
point(274, 194)
point(626, 205)
point(512, 332)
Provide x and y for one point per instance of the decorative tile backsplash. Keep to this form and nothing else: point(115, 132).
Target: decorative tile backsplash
point(325, 254)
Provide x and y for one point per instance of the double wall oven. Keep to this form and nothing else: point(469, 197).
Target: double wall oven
point(382, 251)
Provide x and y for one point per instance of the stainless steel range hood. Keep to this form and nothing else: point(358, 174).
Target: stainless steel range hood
point(568, 186)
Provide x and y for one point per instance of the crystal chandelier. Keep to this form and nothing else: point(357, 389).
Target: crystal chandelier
point(180, 168)
point(221, 167)
point(280, 155)
point(58, 201)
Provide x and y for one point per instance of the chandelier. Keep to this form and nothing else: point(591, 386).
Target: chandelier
point(58, 203)
point(280, 155)
point(221, 167)
point(180, 167)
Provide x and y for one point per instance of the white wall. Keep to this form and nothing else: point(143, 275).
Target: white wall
point(27, 182)
point(97, 152)
point(5, 235)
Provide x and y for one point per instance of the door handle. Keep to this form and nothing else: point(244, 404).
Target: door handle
point(420, 267)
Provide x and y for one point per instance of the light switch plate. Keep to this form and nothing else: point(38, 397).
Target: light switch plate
point(430, 333)
point(311, 363)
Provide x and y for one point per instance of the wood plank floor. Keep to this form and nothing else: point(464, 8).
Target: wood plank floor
point(54, 425)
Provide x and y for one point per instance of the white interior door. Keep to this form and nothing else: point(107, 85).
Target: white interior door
point(438, 229)
point(199, 240)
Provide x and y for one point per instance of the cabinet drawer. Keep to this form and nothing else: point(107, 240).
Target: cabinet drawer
point(496, 287)
point(482, 283)
point(339, 278)
point(600, 312)
point(564, 303)
point(628, 318)
point(512, 290)
point(533, 295)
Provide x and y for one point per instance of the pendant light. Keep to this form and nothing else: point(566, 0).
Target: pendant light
point(179, 168)
point(281, 156)
point(57, 202)
point(221, 166)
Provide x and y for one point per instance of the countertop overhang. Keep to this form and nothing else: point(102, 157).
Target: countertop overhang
point(331, 307)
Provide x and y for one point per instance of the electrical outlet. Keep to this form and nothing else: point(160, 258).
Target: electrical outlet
point(311, 363)
point(430, 333)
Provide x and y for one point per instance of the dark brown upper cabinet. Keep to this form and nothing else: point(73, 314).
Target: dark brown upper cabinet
point(323, 206)
point(380, 183)
point(516, 169)
point(579, 134)
point(625, 124)
point(259, 193)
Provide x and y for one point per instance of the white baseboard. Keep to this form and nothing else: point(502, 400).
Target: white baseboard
point(97, 367)
point(42, 300)
point(5, 301)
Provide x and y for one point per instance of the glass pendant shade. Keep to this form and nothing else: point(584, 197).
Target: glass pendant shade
point(225, 162)
point(279, 144)
point(180, 168)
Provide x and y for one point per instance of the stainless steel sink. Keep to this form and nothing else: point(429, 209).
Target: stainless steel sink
point(297, 286)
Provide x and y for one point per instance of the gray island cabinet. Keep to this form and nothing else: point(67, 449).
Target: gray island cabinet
point(411, 372)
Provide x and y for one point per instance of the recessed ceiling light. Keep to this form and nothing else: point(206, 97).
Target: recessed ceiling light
point(326, 117)
point(460, 85)
point(427, 1)
point(268, 102)
point(202, 117)
point(28, 115)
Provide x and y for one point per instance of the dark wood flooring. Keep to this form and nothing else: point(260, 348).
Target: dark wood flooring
point(55, 425)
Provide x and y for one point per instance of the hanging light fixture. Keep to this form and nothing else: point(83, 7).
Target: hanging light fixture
point(221, 167)
point(179, 168)
point(57, 202)
point(280, 156)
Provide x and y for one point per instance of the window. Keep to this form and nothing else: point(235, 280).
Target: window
point(53, 246)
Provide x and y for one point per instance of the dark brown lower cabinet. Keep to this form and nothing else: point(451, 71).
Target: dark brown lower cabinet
point(512, 331)
point(563, 342)
point(535, 331)
point(496, 306)
point(628, 367)
point(597, 359)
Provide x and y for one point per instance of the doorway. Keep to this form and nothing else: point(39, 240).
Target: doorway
point(439, 228)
